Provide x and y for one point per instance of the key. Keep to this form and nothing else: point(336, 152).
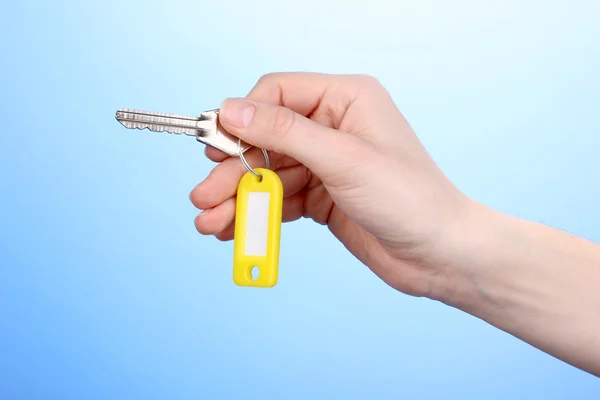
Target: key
point(259, 199)
point(205, 128)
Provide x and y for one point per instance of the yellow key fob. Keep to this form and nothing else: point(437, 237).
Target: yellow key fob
point(257, 229)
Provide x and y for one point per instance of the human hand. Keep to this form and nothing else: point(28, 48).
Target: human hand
point(347, 158)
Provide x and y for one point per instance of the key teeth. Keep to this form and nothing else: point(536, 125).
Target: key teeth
point(201, 126)
point(160, 128)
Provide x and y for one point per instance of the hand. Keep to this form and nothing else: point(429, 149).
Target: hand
point(347, 158)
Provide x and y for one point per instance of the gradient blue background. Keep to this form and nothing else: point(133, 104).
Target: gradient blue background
point(108, 292)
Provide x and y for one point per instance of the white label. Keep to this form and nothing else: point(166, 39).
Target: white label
point(257, 223)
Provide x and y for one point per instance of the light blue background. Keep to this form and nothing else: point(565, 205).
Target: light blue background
point(108, 292)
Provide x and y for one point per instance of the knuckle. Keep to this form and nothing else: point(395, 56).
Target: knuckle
point(364, 82)
point(268, 78)
point(363, 85)
point(283, 121)
point(368, 80)
point(267, 88)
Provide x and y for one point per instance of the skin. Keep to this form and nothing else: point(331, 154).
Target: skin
point(383, 196)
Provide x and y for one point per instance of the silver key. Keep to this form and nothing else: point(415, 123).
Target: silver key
point(206, 128)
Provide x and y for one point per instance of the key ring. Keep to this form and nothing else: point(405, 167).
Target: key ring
point(248, 167)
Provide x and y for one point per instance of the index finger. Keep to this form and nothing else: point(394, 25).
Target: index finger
point(301, 92)
point(308, 93)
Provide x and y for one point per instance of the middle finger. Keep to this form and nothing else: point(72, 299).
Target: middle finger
point(223, 180)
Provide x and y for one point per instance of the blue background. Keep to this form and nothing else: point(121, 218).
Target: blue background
point(107, 290)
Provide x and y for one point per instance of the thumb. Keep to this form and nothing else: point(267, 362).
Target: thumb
point(282, 130)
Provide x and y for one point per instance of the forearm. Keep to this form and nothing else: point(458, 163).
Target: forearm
point(540, 284)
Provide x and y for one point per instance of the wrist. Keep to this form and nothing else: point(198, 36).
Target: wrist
point(532, 281)
point(465, 253)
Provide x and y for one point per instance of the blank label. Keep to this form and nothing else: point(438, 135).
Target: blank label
point(257, 220)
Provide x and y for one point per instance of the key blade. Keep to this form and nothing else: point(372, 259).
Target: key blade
point(206, 128)
point(162, 122)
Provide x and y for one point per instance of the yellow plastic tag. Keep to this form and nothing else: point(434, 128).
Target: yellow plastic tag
point(257, 229)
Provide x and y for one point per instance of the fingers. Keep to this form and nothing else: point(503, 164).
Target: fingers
point(298, 91)
point(215, 154)
point(216, 218)
point(213, 220)
point(324, 98)
point(301, 92)
point(293, 209)
point(280, 129)
point(222, 181)
point(227, 233)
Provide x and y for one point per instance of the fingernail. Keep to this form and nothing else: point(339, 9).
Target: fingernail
point(204, 212)
point(237, 112)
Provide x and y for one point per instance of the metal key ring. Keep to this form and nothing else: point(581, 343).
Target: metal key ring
point(248, 167)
